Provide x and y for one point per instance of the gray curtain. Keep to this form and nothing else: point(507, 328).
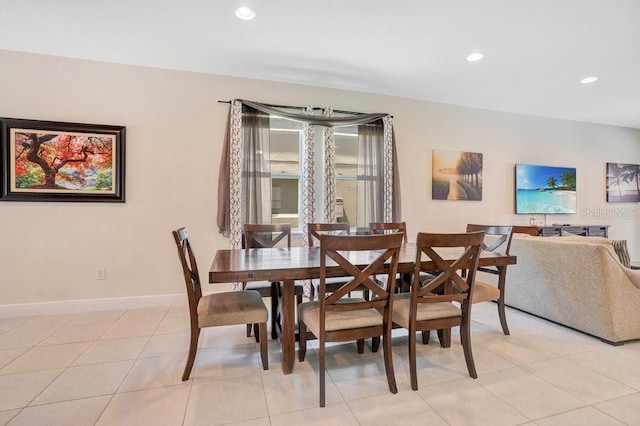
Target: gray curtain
point(256, 173)
point(224, 184)
point(370, 178)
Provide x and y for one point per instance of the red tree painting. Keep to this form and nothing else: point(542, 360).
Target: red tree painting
point(63, 161)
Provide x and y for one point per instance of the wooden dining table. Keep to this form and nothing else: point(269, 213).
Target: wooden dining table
point(287, 265)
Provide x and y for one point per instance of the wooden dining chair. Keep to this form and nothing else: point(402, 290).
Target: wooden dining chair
point(335, 316)
point(217, 309)
point(429, 305)
point(499, 241)
point(314, 232)
point(388, 227)
point(376, 228)
point(268, 236)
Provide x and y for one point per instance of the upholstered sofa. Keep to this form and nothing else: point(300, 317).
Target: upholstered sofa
point(578, 282)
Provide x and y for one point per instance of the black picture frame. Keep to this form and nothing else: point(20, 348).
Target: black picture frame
point(57, 161)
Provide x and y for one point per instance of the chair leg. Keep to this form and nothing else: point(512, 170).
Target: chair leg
point(412, 360)
point(466, 346)
point(256, 332)
point(425, 336)
point(388, 363)
point(302, 342)
point(360, 343)
point(322, 372)
point(193, 347)
point(312, 291)
point(264, 353)
point(444, 336)
point(274, 311)
point(502, 314)
point(375, 344)
point(249, 328)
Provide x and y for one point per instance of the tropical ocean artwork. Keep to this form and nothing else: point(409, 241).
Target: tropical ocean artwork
point(456, 175)
point(545, 189)
point(622, 183)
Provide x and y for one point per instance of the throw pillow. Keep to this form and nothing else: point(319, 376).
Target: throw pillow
point(620, 246)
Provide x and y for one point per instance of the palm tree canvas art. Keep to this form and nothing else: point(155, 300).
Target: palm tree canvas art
point(623, 185)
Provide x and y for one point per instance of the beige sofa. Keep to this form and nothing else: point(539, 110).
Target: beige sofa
point(578, 282)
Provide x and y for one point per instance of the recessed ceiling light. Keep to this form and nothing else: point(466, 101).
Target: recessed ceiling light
point(475, 57)
point(245, 13)
point(588, 80)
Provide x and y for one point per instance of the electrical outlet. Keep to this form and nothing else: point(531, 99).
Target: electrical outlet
point(101, 274)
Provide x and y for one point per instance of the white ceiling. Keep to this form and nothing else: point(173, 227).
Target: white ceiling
point(536, 51)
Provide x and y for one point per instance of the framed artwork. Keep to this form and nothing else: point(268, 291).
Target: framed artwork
point(53, 161)
point(623, 185)
point(456, 175)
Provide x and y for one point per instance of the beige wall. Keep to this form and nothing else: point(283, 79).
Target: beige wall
point(175, 128)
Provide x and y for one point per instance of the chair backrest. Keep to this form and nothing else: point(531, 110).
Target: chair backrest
point(266, 236)
point(346, 253)
point(388, 227)
point(453, 280)
point(190, 270)
point(316, 230)
point(504, 235)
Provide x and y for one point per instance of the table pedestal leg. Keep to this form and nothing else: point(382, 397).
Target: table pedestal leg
point(288, 333)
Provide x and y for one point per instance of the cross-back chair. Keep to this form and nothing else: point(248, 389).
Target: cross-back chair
point(376, 228)
point(314, 232)
point(429, 305)
point(217, 309)
point(268, 236)
point(388, 227)
point(499, 241)
point(335, 317)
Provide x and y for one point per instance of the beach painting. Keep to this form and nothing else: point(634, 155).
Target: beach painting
point(622, 183)
point(456, 175)
point(545, 189)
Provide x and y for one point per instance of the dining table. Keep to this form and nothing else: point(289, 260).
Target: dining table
point(286, 265)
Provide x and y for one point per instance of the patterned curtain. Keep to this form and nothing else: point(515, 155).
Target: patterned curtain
point(329, 171)
point(308, 178)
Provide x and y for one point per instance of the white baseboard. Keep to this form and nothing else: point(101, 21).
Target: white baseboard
point(87, 305)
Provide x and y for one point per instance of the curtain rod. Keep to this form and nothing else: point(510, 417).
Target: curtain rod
point(299, 107)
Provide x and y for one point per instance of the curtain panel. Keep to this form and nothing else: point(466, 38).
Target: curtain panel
point(244, 185)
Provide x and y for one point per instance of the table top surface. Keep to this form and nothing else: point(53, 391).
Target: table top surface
point(298, 263)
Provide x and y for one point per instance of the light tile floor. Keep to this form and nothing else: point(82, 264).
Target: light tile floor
point(124, 368)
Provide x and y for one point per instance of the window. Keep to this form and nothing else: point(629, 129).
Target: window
point(346, 169)
point(285, 147)
point(269, 174)
point(285, 142)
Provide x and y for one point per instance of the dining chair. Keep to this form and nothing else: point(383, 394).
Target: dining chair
point(386, 228)
point(268, 236)
point(335, 317)
point(499, 241)
point(429, 304)
point(314, 232)
point(217, 309)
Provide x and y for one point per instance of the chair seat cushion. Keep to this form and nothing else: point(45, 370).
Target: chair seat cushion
point(309, 313)
point(484, 292)
point(230, 308)
point(426, 311)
